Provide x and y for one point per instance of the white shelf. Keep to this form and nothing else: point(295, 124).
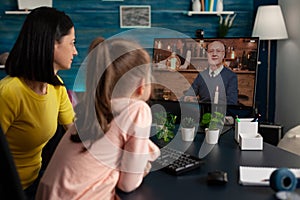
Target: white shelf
point(17, 12)
point(2, 66)
point(190, 13)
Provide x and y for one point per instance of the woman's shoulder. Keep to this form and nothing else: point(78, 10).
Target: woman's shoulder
point(59, 88)
point(9, 79)
point(10, 85)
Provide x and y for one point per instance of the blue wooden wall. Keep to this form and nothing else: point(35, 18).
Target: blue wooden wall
point(94, 18)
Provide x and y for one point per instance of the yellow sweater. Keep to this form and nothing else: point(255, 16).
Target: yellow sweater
point(29, 120)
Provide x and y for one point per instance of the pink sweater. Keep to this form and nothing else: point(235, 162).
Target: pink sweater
point(119, 158)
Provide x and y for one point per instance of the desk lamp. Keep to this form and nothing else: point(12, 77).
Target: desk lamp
point(269, 25)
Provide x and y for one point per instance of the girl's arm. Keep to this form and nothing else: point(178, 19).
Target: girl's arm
point(134, 163)
point(138, 149)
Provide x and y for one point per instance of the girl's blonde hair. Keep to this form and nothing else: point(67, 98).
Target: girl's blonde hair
point(115, 69)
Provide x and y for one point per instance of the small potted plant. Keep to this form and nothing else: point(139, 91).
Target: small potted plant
point(212, 122)
point(188, 129)
point(160, 119)
point(165, 125)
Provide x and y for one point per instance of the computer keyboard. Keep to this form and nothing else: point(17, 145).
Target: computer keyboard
point(176, 162)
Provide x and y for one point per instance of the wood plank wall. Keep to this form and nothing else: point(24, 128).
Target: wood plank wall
point(94, 18)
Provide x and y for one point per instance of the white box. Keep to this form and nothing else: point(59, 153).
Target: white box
point(251, 142)
point(245, 126)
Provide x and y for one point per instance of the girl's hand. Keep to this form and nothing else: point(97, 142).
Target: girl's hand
point(147, 169)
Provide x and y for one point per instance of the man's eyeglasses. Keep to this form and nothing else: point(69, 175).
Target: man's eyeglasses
point(210, 51)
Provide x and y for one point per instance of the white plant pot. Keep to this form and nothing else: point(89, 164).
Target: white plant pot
point(212, 136)
point(188, 134)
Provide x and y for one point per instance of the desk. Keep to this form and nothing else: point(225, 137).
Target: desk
point(225, 156)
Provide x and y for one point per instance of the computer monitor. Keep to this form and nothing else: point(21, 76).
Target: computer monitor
point(173, 77)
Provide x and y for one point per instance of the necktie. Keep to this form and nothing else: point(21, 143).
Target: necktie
point(212, 74)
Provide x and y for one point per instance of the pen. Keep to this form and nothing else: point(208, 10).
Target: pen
point(257, 116)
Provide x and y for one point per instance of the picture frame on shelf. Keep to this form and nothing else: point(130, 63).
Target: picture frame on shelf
point(135, 16)
point(30, 4)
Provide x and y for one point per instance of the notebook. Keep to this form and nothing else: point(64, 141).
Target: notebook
point(259, 176)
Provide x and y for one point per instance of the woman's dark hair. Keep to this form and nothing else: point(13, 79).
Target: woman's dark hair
point(32, 55)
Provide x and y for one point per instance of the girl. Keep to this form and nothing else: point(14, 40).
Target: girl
point(111, 147)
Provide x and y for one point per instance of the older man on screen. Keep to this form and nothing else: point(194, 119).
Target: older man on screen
point(216, 84)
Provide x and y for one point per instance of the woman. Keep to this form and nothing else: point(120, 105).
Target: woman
point(111, 148)
point(33, 98)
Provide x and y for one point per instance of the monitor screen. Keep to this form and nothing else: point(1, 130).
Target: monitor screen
point(178, 61)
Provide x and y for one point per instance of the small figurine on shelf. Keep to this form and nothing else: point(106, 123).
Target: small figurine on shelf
point(220, 6)
point(196, 5)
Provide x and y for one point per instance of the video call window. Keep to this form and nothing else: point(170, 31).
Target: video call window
point(177, 62)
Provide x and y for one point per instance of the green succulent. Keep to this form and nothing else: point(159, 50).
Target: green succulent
point(188, 122)
point(167, 120)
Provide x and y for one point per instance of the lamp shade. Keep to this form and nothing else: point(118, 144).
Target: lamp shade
point(269, 23)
